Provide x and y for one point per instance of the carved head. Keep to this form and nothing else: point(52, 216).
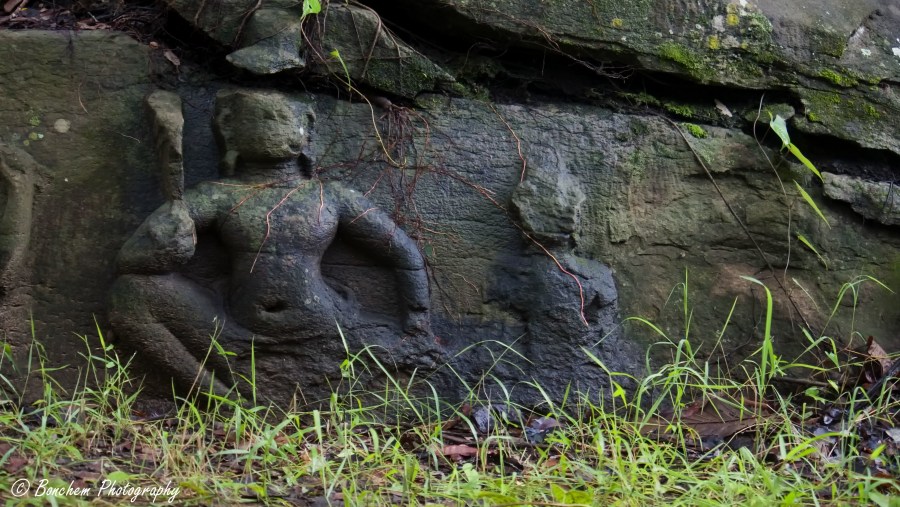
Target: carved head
point(257, 126)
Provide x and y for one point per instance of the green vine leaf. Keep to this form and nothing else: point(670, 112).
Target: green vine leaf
point(778, 125)
point(310, 7)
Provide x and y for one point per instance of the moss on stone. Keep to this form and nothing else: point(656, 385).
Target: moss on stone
point(640, 99)
point(638, 128)
point(679, 109)
point(407, 80)
point(831, 44)
point(687, 58)
point(759, 26)
point(695, 130)
point(679, 54)
point(847, 116)
point(871, 111)
point(837, 78)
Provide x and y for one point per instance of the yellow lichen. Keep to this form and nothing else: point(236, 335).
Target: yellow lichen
point(617, 23)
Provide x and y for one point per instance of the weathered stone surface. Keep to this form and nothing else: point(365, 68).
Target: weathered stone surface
point(272, 43)
point(874, 200)
point(347, 40)
point(549, 201)
point(164, 109)
point(19, 174)
point(220, 19)
point(353, 42)
point(612, 213)
point(73, 103)
point(841, 59)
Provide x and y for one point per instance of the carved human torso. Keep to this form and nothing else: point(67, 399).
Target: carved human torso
point(275, 237)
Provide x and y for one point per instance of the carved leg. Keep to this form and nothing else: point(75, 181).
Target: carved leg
point(17, 174)
point(170, 320)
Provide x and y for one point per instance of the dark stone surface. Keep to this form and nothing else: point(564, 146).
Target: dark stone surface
point(527, 215)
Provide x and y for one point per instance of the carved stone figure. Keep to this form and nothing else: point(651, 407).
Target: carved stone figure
point(265, 230)
point(571, 306)
point(18, 176)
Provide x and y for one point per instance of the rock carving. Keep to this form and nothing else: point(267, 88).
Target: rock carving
point(18, 174)
point(570, 302)
point(269, 225)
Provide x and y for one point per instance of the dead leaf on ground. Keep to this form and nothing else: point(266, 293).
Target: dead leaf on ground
point(457, 452)
point(723, 108)
point(714, 418)
point(86, 476)
point(90, 25)
point(877, 363)
point(172, 58)
point(15, 464)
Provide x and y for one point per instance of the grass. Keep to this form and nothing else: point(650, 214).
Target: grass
point(686, 436)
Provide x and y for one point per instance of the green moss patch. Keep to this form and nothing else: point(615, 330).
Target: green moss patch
point(838, 79)
point(695, 130)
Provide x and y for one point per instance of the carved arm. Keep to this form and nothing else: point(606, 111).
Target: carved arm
point(17, 172)
point(365, 225)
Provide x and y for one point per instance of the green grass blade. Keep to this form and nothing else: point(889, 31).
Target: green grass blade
point(809, 245)
point(337, 55)
point(768, 358)
point(805, 161)
point(809, 200)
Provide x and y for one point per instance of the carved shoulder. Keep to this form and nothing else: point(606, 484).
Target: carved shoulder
point(208, 201)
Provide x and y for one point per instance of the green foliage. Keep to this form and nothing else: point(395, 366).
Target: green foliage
point(679, 109)
point(809, 165)
point(809, 200)
point(779, 126)
point(768, 363)
point(337, 56)
point(809, 245)
point(310, 7)
point(383, 440)
point(695, 130)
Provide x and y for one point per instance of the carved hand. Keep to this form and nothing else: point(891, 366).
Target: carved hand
point(164, 241)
